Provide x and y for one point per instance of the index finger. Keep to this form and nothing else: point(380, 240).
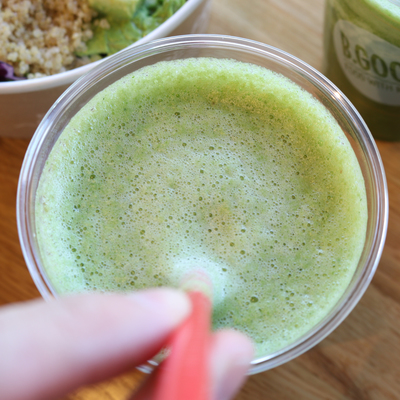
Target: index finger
point(49, 349)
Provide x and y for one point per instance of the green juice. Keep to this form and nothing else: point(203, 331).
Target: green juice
point(362, 57)
point(212, 164)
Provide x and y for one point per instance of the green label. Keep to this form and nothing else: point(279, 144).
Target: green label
point(371, 64)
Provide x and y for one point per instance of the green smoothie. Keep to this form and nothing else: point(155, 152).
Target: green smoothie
point(362, 57)
point(212, 164)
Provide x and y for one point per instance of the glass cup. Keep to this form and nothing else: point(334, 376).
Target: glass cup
point(244, 50)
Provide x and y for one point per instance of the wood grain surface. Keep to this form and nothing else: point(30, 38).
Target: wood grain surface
point(360, 359)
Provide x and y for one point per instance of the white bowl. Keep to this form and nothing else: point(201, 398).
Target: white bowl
point(23, 104)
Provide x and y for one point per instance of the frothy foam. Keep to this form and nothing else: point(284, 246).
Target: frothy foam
point(210, 163)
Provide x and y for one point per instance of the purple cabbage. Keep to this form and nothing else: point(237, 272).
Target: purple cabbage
point(7, 73)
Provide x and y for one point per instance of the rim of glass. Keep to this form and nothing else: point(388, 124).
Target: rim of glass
point(26, 195)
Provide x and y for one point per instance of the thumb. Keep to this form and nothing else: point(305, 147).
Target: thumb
point(231, 353)
point(230, 361)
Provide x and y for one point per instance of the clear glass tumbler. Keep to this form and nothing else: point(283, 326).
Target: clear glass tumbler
point(239, 49)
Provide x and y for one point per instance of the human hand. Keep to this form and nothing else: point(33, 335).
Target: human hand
point(50, 349)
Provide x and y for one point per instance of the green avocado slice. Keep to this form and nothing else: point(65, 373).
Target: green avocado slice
point(109, 41)
point(115, 9)
point(121, 33)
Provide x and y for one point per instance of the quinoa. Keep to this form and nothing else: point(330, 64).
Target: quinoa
point(41, 37)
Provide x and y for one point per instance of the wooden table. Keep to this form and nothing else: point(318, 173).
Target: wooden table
point(360, 360)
